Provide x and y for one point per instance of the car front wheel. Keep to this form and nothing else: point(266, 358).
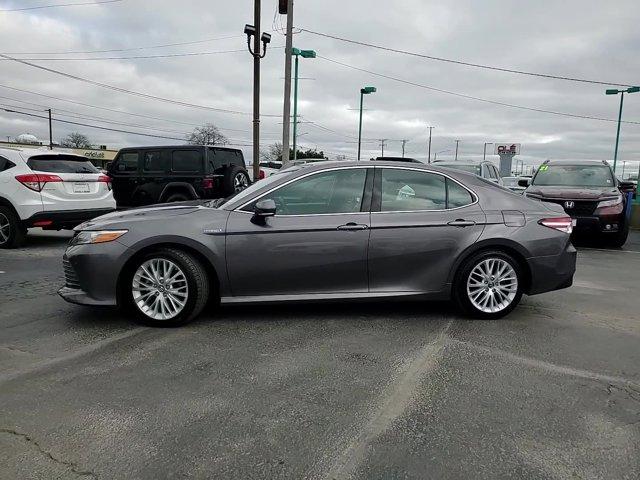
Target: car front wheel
point(489, 285)
point(167, 288)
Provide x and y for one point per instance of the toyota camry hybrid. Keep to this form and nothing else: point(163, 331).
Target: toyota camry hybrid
point(326, 231)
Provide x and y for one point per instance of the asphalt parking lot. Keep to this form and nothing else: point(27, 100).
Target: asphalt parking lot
point(374, 390)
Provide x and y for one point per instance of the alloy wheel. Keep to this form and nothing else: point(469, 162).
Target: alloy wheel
point(240, 182)
point(492, 285)
point(160, 289)
point(5, 229)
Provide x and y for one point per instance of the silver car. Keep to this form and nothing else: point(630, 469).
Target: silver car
point(326, 231)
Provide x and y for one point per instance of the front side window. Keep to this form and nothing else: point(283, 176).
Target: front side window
point(337, 191)
point(127, 162)
point(408, 190)
point(186, 161)
point(61, 164)
point(574, 176)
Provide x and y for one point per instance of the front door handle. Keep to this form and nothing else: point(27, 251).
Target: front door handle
point(462, 223)
point(351, 226)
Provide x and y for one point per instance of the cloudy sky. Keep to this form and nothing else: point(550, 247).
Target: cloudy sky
point(581, 39)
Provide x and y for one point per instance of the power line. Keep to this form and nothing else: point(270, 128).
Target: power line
point(467, 64)
point(471, 97)
point(133, 57)
point(130, 92)
point(131, 49)
point(39, 7)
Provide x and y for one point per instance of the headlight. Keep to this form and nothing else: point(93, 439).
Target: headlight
point(97, 236)
point(610, 203)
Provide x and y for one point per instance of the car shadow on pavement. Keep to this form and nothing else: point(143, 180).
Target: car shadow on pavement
point(42, 238)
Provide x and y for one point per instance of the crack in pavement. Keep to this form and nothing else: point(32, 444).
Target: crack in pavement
point(395, 400)
point(73, 467)
point(552, 367)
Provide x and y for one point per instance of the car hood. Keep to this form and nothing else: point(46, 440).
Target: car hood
point(145, 214)
point(573, 193)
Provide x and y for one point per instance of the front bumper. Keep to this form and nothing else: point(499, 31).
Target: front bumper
point(552, 272)
point(590, 225)
point(91, 273)
point(63, 219)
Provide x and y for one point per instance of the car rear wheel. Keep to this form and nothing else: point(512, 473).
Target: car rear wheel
point(236, 179)
point(489, 285)
point(177, 197)
point(12, 233)
point(167, 288)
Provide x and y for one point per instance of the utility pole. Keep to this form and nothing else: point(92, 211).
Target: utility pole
point(257, 54)
point(50, 131)
point(614, 91)
point(382, 142)
point(484, 150)
point(404, 142)
point(286, 114)
point(457, 142)
point(429, 150)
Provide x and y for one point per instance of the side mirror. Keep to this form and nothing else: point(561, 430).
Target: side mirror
point(523, 182)
point(625, 186)
point(264, 208)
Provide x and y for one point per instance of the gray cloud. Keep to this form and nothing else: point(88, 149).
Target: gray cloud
point(575, 38)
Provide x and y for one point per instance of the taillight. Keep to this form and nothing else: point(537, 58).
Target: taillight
point(564, 224)
point(262, 175)
point(207, 182)
point(105, 179)
point(37, 181)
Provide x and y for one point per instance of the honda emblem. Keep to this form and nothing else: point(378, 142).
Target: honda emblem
point(569, 204)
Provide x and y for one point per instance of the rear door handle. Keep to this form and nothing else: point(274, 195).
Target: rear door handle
point(351, 226)
point(461, 223)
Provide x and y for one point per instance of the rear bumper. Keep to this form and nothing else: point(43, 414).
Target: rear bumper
point(63, 219)
point(552, 272)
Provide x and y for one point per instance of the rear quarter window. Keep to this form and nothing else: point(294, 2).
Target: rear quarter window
point(223, 158)
point(186, 161)
point(457, 195)
point(61, 164)
point(5, 164)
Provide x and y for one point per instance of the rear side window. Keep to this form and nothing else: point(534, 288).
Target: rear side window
point(127, 162)
point(154, 162)
point(5, 164)
point(226, 157)
point(61, 164)
point(457, 196)
point(410, 190)
point(186, 161)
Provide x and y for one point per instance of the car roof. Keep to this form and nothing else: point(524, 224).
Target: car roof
point(32, 152)
point(459, 162)
point(575, 162)
point(146, 147)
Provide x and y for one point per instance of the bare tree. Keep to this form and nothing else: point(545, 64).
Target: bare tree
point(272, 153)
point(208, 134)
point(76, 140)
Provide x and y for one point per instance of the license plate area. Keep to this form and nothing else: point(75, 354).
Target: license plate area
point(81, 187)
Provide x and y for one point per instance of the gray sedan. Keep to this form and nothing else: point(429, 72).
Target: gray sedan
point(326, 231)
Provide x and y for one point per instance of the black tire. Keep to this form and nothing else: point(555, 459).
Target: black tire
point(177, 197)
point(197, 282)
point(617, 240)
point(232, 176)
point(13, 234)
point(461, 297)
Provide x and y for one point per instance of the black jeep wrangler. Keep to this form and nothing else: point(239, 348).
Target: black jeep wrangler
point(148, 175)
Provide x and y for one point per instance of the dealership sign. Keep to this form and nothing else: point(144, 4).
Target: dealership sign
point(507, 149)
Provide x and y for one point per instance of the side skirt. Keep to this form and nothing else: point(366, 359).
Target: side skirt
point(335, 297)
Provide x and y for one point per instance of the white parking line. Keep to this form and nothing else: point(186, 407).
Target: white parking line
point(1, 272)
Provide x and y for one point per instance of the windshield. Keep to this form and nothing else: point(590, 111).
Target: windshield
point(252, 188)
point(61, 164)
point(574, 176)
point(475, 169)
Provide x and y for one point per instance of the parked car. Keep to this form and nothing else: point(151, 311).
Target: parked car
point(165, 174)
point(484, 169)
point(270, 167)
point(326, 231)
point(589, 192)
point(47, 189)
point(512, 183)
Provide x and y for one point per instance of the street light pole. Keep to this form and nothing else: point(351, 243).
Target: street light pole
point(50, 131)
point(457, 142)
point(363, 91)
point(615, 91)
point(286, 114)
point(304, 54)
point(429, 149)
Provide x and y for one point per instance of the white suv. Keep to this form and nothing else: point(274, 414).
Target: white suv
point(52, 190)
